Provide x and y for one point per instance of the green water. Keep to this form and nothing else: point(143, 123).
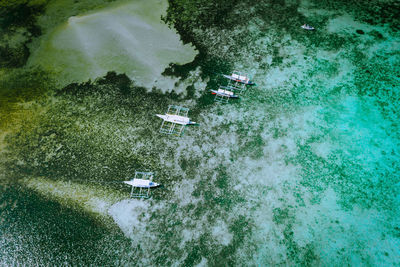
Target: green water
point(302, 170)
point(127, 37)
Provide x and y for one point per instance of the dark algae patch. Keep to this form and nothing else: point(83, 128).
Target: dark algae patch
point(65, 141)
point(42, 232)
point(18, 19)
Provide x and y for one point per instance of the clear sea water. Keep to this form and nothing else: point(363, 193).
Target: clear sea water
point(302, 170)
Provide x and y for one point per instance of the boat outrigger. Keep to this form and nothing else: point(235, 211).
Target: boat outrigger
point(240, 78)
point(175, 120)
point(307, 27)
point(138, 183)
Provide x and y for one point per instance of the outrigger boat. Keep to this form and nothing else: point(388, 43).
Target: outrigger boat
point(237, 77)
point(307, 27)
point(141, 184)
point(224, 93)
point(175, 120)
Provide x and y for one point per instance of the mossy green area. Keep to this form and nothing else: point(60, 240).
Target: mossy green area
point(47, 231)
point(302, 170)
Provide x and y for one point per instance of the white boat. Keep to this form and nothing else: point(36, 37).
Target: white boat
point(176, 119)
point(307, 27)
point(237, 77)
point(225, 93)
point(142, 183)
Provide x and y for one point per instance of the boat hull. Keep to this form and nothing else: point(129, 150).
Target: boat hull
point(142, 185)
point(308, 28)
point(214, 92)
point(247, 82)
point(176, 119)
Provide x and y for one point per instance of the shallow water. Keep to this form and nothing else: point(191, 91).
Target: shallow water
point(302, 170)
point(128, 37)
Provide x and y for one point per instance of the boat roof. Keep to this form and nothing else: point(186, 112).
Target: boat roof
point(240, 77)
point(177, 118)
point(139, 183)
point(225, 91)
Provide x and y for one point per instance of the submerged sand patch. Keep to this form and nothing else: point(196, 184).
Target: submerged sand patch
point(127, 38)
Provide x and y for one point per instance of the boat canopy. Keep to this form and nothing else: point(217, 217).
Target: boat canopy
point(240, 77)
point(225, 92)
point(140, 183)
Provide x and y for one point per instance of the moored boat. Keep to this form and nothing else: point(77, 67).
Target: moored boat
point(307, 27)
point(237, 77)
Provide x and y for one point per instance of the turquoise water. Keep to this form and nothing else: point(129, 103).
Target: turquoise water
point(302, 170)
